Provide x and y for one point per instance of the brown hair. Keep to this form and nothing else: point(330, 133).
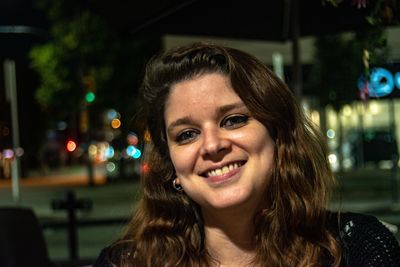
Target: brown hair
point(167, 229)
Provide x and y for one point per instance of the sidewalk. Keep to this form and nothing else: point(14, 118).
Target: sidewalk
point(362, 191)
point(110, 201)
point(68, 176)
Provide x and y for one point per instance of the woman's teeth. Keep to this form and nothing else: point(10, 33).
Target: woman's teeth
point(223, 170)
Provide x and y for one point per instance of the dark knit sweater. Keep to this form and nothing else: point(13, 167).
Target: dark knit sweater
point(366, 242)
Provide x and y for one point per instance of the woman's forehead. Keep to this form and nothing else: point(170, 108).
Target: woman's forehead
point(203, 88)
point(208, 93)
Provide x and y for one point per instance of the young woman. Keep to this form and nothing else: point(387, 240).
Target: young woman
point(238, 175)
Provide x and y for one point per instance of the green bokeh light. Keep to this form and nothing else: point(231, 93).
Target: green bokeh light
point(90, 97)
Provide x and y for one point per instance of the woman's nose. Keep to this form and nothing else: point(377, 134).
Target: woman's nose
point(214, 142)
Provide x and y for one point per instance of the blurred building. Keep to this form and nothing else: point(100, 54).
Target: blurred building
point(362, 133)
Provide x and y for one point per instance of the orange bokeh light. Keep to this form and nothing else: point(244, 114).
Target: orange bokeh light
point(115, 123)
point(71, 146)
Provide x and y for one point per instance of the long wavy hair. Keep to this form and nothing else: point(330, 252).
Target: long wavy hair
point(167, 227)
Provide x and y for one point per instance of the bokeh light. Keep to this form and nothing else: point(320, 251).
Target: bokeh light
point(147, 136)
point(109, 152)
point(61, 125)
point(110, 166)
point(112, 114)
point(133, 152)
point(90, 97)
point(19, 152)
point(144, 168)
point(8, 153)
point(332, 158)
point(330, 133)
point(71, 145)
point(115, 123)
point(132, 139)
point(137, 154)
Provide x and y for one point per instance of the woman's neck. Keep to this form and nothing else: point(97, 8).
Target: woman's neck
point(229, 237)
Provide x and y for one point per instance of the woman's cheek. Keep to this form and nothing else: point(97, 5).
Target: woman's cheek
point(184, 159)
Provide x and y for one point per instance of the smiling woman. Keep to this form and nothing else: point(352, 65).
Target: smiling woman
point(238, 176)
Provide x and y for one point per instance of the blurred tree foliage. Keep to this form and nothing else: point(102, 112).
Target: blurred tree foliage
point(80, 45)
point(339, 64)
point(379, 12)
point(340, 59)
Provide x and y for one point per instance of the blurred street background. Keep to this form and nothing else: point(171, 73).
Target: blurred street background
point(69, 81)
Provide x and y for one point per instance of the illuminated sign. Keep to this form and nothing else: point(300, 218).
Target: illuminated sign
point(381, 83)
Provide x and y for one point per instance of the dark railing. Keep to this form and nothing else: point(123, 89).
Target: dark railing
point(71, 205)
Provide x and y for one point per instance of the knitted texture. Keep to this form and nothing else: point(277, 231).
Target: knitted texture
point(367, 242)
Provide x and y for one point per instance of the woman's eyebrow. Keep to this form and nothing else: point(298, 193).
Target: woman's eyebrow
point(223, 109)
point(220, 111)
point(178, 122)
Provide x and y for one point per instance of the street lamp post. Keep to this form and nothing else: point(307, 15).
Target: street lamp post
point(11, 93)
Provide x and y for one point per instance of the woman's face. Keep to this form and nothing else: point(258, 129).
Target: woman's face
point(222, 155)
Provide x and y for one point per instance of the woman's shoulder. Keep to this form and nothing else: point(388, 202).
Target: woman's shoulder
point(366, 241)
point(111, 256)
point(103, 259)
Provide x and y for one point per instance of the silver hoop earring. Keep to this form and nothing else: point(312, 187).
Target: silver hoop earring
point(177, 186)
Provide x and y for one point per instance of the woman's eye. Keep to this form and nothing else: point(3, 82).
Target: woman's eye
point(186, 136)
point(235, 121)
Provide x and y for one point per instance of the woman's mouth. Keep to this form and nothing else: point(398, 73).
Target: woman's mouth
point(223, 170)
point(223, 173)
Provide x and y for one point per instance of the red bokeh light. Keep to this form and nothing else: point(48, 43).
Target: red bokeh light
point(71, 146)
